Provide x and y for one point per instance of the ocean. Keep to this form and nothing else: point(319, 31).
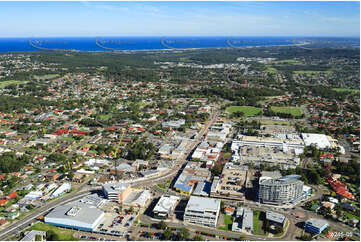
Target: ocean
point(90, 44)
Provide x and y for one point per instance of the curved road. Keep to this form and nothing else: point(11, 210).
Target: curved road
point(24, 222)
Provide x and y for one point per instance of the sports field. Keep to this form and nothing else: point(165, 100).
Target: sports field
point(247, 110)
point(346, 90)
point(295, 111)
point(7, 83)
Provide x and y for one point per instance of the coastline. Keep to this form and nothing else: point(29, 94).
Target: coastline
point(166, 48)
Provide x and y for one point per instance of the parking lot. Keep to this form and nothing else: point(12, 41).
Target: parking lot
point(114, 224)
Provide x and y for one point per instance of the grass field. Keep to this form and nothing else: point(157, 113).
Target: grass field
point(346, 90)
point(312, 72)
point(105, 116)
point(7, 83)
point(275, 122)
point(247, 110)
point(271, 70)
point(227, 223)
point(295, 111)
point(48, 76)
point(289, 61)
point(257, 223)
point(102, 68)
point(64, 234)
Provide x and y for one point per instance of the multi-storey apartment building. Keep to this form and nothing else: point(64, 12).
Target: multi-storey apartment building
point(284, 190)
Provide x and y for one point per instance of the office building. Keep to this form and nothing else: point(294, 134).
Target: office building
point(202, 210)
point(276, 219)
point(116, 191)
point(315, 226)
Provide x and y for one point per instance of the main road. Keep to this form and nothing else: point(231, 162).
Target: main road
point(24, 222)
point(179, 162)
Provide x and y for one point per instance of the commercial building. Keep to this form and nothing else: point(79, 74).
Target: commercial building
point(315, 226)
point(34, 195)
point(116, 191)
point(208, 151)
point(75, 217)
point(284, 190)
point(232, 183)
point(65, 187)
point(259, 150)
point(165, 151)
point(247, 220)
point(122, 168)
point(203, 211)
point(202, 189)
point(173, 124)
point(138, 198)
point(276, 218)
point(165, 206)
point(321, 141)
point(307, 191)
point(92, 201)
point(191, 175)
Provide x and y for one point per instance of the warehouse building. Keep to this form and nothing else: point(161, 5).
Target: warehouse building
point(75, 216)
point(202, 210)
point(315, 226)
point(284, 190)
point(65, 187)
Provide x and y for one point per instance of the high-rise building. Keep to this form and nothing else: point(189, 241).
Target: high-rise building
point(284, 190)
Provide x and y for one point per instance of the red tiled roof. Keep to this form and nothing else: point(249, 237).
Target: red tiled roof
point(3, 202)
point(12, 195)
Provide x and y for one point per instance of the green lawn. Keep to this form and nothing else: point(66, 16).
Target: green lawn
point(295, 111)
point(346, 90)
point(257, 223)
point(350, 216)
point(102, 68)
point(68, 138)
point(7, 83)
point(105, 116)
point(163, 186)
point(227, 223)
point(312, 72)
point(48, 76)
point(64, 234)
point(271, 70)
point(289, 61)
point(226, 155)
point(247, 110)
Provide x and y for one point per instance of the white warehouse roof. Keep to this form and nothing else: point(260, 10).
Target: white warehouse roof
point(320, 140)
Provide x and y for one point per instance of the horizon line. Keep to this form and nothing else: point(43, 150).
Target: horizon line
point(164, 36)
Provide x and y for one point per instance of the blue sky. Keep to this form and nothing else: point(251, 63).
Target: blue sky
point(26, 19)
